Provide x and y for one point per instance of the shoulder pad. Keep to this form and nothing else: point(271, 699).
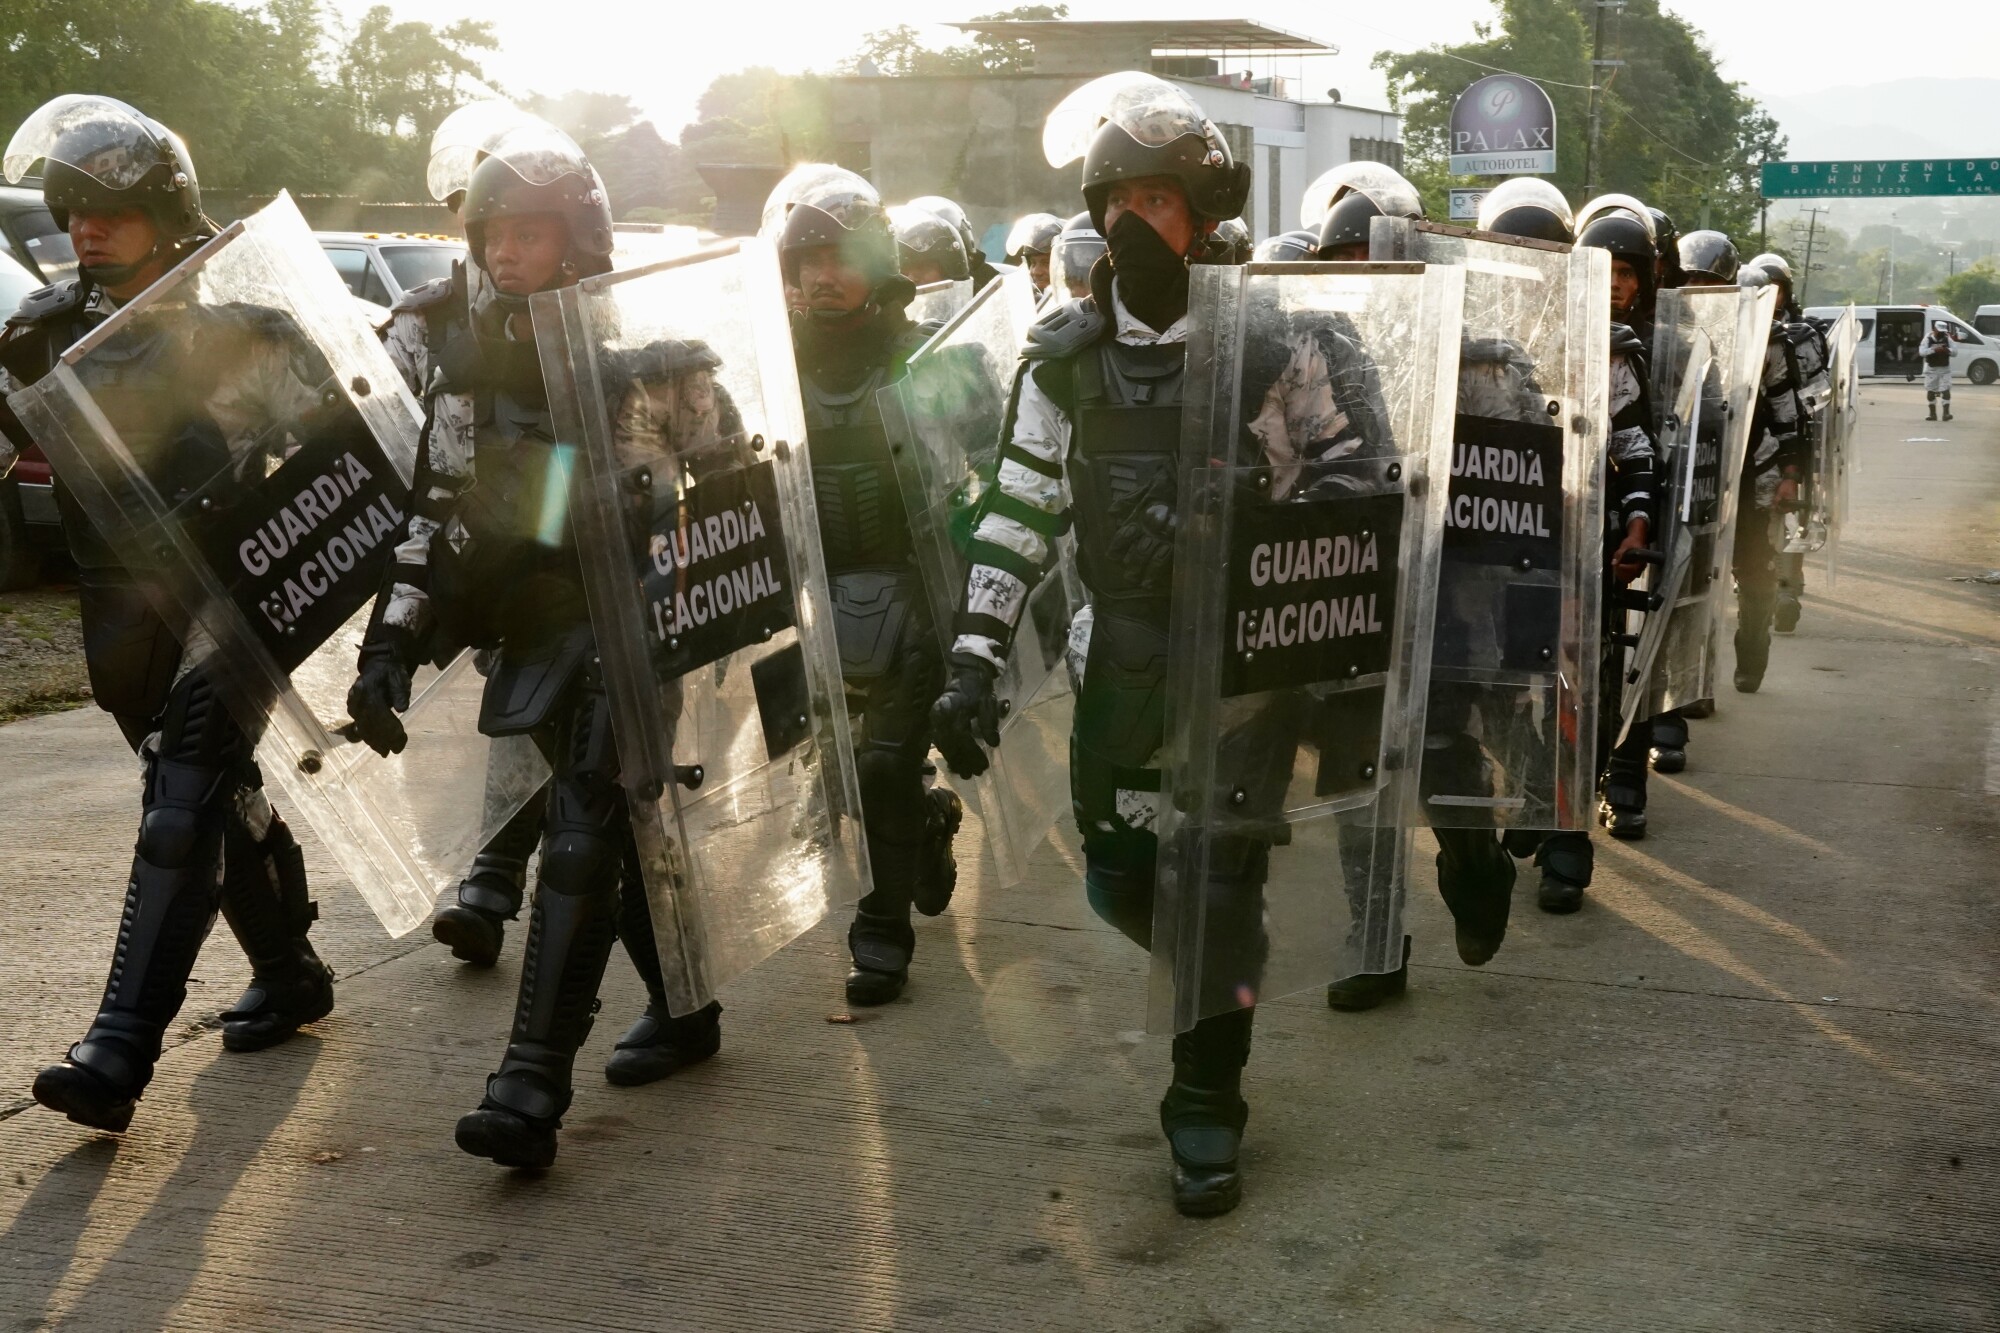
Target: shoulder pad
point(46, 303)
point(1064, 330)
point(423, 296)
point(1623, 339)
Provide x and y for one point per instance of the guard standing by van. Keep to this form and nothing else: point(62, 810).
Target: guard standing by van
point(1935, 351)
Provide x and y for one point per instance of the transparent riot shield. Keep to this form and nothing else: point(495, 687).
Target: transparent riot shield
point(1683, 368)
point(701, 561)
point(241, 441)
point(939, 301)
point(1315, 447)
point(1833, 471)
point(945, 419)
point(1731, 323)
point(1515, 664)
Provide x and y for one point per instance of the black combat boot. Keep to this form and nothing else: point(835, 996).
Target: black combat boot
point(490, 896)
point(657, 1044)
point(1670, 738)
point(170, 903)
point(1933, 415)
point(881, 939)
point(1622, 808)
point(937, 873)
point(1364, 991)
point(569, 942)
point(269, 909)
point(1567, 861)
point(881, 944)
point(1203, 1113)
point(1785, 617)
point(1476, 880)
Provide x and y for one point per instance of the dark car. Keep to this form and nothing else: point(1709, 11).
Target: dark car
point(34, 252)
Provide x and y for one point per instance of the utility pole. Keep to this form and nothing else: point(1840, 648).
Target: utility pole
point(1600, 83)
point(1892, 259)
point(1812, 234)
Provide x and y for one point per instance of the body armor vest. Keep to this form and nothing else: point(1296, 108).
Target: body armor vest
point(862, 520)
point(1124, 449)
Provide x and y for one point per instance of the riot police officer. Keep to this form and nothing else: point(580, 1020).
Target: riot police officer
point(1807, 351)
point(928, 248)
point(1775, 469)
point(853, 338)
point(1077, 250)
point(473, 925)
point(1360, 193)
point(123, 186)
point(955, 218)
point(1029, 243)
point(1098, 402)
point(482, 567)
point(1630, 235)
point(1536, 211)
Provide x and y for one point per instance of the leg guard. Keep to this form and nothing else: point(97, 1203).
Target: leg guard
point(1756, 600)
point(896, 814)
point(170, 904)
point(490, 894)
point(1118, 874)
point(1476, 880)
point(1566, 860)
point(270, 909)
point(1203, 1113)
point(570, 931)
point(1945, 398)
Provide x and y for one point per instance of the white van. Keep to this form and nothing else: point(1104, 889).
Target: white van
point(1890, 335)
point(1987, 319)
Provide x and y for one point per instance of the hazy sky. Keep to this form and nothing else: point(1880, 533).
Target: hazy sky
point(663, 56)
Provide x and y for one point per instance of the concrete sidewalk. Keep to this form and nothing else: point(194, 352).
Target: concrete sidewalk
point(1752, 1085)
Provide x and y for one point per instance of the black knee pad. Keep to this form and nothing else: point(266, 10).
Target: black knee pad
point(182, 811)
point(578, 861)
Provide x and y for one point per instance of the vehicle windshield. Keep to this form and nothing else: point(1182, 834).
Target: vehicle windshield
point(415, 265)
point(44, 245)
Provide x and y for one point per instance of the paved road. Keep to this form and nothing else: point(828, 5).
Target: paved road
point(1752, 1085)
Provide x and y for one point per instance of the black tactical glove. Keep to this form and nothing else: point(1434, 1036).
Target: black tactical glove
point(1143, 543)
point(379, 692)
point(967, 713)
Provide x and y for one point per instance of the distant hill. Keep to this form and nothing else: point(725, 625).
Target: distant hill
point(1903, 118)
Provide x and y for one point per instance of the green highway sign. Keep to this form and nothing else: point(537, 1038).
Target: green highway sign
point(1881, 180)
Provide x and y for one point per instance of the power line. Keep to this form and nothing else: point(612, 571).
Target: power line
point(1439, 50)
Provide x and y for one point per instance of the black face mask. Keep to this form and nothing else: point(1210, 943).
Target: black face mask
point(1152, 279)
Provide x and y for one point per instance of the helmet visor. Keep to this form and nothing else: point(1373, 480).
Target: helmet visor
point(1618, 203)
point(1708, 252)
point(539, 153)
point(1072, 256)
point(100, 136)
point(1384, 185)
point(1523, 192)
point(1034, 234)
point(835, 190)
point(1149, 109)
point(462, 136)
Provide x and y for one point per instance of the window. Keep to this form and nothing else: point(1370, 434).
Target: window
point(1960, 334)
point(1987, 323)
point(357, 270)
point(1386, 151)
point(1274, 195)
point(415, 265)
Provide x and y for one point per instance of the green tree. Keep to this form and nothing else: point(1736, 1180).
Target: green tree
point(1970, 288)
point(1673, 131)
point(410, 74)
